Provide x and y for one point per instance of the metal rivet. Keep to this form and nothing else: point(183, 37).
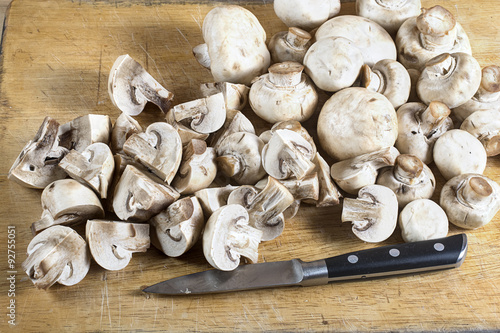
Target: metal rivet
point(394, 252)
point(438, 247)
point(352, 259)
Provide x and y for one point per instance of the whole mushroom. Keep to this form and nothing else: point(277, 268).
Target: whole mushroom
point(306, 14)
point(290, 45)
point(485, 126)
point(423, 219)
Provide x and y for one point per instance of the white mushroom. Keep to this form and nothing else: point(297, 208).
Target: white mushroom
point(177, 228)
point(374, 214)
point(112, 243)
point(235, 45)
point(235, 122)
point(83, 131)
point(285, 93)
point(289, 45)
point(328, 193)
point(306, 14)
point(213, 198)
point(228, 236)
point(67, 202)
point(470, 200)
point(123, 128)
point(457, 152)
point(235, 95)
point(130, 87)
point(159, 148)
point(185, 133)
point(292, 125)
point(306, 188)
point(421, 220)
point(58, 254)
point(485, 126)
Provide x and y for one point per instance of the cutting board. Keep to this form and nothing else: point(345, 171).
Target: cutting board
point(56, 57)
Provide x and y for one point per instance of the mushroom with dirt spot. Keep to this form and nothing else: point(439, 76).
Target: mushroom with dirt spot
point(422, 219)
point(290, 45)
point(306, 14)
point(485, 126)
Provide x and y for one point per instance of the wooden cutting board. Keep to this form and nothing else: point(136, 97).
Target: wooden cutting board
point(56, 56)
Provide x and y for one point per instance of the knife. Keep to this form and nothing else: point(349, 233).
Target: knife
point(415, 257)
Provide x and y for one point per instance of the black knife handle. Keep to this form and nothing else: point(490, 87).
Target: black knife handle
point(448, 252)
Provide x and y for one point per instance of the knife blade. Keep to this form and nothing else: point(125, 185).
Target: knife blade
point(415, 257)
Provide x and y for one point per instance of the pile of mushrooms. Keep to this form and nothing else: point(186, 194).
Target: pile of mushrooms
point(401, 79)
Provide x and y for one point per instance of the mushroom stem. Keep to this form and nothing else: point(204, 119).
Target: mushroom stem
point(45, 221)
point(474, 192)
point(201, 54)
point(299, 165)
point(286, 74)
point(359, 211)
point(297, 38)
point(146, 87)
point(433, 116)
point(230, 165)
point(372, 80)
point(437, 28)
point(244, 240)
point(408, 169)
point(489, 90)
point(442, 65)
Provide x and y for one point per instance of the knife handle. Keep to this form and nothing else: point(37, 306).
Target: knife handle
point(448, 252)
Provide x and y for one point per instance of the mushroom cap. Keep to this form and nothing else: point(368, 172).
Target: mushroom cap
point(83, 131)
point(333, 63)
point(306, 14)
point(356, 121)
point(289, 45)
point(372, 40)
point(449, 78)
point(485, 126)
point(206, 115)
point(113, 242)
point(423, 219)
point(235, 122)
point(123, 128)
point(457, 152)
point(292, 125)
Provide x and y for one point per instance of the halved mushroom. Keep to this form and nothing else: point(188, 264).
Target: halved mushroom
point(213, 198)
point(470, 200)
point(130, 87)
point(287, 154)
point(138, 197)
point(421, 220)
point(83, 131)
point(67, 202)
point(198, 168)
point(357, 172)
point(94, 167)
point(123, 128)
point(37, 164)
point(457, 152)
point(409, 178)
point(239, 157)
point(185, 133)
point(235, 95)
point(290, 45)
point(374, 214)
point(58, 254)
point(449, 78)
point(419, 126)
point(235, 122)
point(228, 236)
point(485, 126)
point(159, 148)
point(112, 243)
point(177, 228)
point(306, 14)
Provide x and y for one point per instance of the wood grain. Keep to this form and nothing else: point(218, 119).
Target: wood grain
point(56, 56)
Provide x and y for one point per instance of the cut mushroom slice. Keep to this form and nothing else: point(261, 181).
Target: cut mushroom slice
point(213, 198)
point(123, 128)
point(198, 168)
point(470, 200)
point(83, 131)
point(138, 197)
point(159, 148)
point(58, 254)
point(328, 193)
point(235, 122)
point(130, 87)
point(37, 164)
point(290, 45)
point(177, 228)
point(112, 243)
point(421, 220)
point(185, 133)
point(67, 202)
point(306, 188)
point(374, 214)
point(354, 173)
point(485, 126)
point(235, 95)
point(94, 167)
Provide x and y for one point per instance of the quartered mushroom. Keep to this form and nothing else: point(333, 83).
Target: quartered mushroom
point(285, 93)
point(198, 168)
point(419, 126)
point(123, 128)
point(112, 243)
point(159, 148)
point(58, 254)
point(228, 236)
point(176, 229)
point(67, 202)
point(37, 164)
point(235, 122)
point(328, 193)
point(421, 220)
point(409, 178)
point(357, 172)
point(185, 133)
point(306, 14)
point(374, 214)
point(93, 167)
point(130, 87)
point(290, 45)
point(213, 198)
point(83, 131)
point(138, 196)
point(470, 200)
point(485, 126)
point(306, 188)
point(292, 125)
point(235, 95)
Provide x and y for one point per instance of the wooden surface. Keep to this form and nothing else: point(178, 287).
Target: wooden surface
point(56, 56)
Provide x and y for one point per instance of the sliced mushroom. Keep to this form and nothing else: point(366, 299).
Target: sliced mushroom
point(213, 198)
point(244, 195)
point(235, 95)
point(123, 128)
point(58, 254)
point(306, 14)
point(485, 126)
point(374, 214)
point(470, 200)
point(138, 197)
point(178, 228)
point(289, 45)
point(239, 157)
point(93, 167)
point(306, 188)
point(159, 148)
point(457, 152)
point(419, 126)
point(83, 131)
point(67, 202)
point(130, 87)
point(37, 164)
point(357, 172)
point(185, 133)
point(198, 168)
point(235, 122)
point(449, 78)
point(228, 236)
point(421, 220)
point(328, 193)
point(409, 178)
